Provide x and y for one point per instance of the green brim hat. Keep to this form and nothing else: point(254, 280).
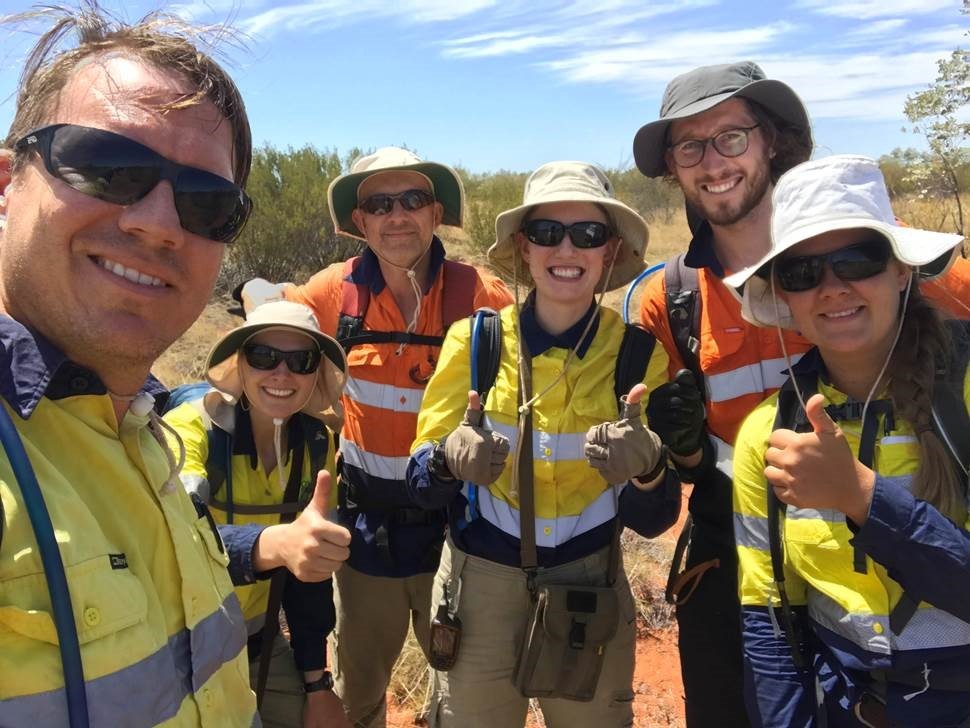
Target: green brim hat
point(572, 182)
point(445, 184)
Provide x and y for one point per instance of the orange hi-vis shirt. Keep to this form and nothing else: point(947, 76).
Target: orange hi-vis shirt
point(385, 385)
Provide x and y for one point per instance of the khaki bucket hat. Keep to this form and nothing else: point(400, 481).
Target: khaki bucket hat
point(704, 88)
point(572, 182)
point(222, 366)
point(840, 192)
point(445, 184)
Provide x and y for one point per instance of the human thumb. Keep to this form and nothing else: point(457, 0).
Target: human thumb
point(320, 502)
point(473, 415)
point(631, 408)
point(818, 417)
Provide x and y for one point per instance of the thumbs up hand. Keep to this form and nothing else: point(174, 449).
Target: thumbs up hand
point(675, 411)
point(311, 547)
point(817, 469)
point(623, 449)
point(472, 452)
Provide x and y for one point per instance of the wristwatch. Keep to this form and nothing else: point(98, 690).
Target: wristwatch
point(437, 465)
point(323, 683)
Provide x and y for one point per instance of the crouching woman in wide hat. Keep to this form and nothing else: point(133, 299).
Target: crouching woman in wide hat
point(541, 464)
point(850, 484)
point(259, 449)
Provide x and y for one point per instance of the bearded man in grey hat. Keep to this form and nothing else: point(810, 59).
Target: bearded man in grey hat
point(390, 307)
point(726, 133)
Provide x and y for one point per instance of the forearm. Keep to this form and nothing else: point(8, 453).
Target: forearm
point(311, 616)
point(651, 512)
point(424, 489)
point(241, 544)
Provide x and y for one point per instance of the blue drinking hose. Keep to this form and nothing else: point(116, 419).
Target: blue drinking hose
point(633, 286)
point(50, 555)
point(476, 331)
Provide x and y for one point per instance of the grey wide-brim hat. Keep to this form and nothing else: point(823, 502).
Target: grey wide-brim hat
point(445, 183)
point(706, 87)
point(572, 182)
point(222, 366)
point(840, 192)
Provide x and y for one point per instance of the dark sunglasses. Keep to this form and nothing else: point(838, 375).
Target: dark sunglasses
point(852, 263)
point(549, 233)
point(116, 169)
point(729, 143)
point(382, 203)
point(267, 358)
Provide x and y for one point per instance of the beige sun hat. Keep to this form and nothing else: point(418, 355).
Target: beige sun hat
point(572, 182)
point(840, 192)
point(222, 366)
point(445, 184)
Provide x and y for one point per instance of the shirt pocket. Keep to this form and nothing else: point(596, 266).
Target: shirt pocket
point(813, 527)
point(218, 556)
point(105, 596)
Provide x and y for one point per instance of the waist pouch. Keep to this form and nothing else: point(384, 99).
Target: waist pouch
point(565, 641)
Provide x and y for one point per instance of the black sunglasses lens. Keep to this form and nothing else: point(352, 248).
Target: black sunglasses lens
point(415, 199)
point(799, 274)
point(266, 358)
point(589, 234)
point(261, 357)
point(304, 361)
point(860, 261)
point(377, 204)
point(546, 233)
point(116, 169)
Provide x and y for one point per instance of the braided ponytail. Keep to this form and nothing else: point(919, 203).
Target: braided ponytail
point(922, 343)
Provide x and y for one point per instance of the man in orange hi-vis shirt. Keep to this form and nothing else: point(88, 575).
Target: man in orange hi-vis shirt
point(725, 135)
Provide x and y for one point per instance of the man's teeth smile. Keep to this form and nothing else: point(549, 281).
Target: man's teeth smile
point(564, 272)
point(130, 273)
point(278, 392)
point(843, 314)
point(722, 186)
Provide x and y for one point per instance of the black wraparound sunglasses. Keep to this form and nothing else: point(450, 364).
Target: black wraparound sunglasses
point(116, 169)
point(852, 263)
point(267, 358)
point(549, 233)
point(382, 203)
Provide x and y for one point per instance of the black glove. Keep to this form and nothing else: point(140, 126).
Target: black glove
point(675, 411)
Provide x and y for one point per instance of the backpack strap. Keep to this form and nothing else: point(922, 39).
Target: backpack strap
point(950, 419)
point(354, 298)
point(458, 292)
point(632, 360)
point(487, 350)
point(684, 313)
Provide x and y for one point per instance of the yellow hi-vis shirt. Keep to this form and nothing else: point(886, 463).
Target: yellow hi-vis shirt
point(250, 486)
point(161, 634)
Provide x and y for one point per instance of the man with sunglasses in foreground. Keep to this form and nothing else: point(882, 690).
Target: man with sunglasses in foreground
point(122, 182)
point(390, 308)
point(725, 135)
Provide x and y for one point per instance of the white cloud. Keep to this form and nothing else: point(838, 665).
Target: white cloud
point(877, 29)
point(864, 9)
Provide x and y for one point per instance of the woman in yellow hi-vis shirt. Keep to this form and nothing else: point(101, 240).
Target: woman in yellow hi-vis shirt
point(850, 504)
point(254, 446)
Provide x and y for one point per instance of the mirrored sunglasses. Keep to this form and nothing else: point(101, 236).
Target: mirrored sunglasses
point(382, 203)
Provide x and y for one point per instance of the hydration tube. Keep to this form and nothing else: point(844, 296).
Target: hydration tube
point(40, 521)
point(476, 331)
point(633, 286)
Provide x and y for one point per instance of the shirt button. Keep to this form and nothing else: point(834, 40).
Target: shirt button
point(547, 451)
point(195, 605)
point(546, 530)
point(92, 617)
point(877, 628)
point(79, 383)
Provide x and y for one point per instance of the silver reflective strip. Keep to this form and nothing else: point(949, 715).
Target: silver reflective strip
point(550, 532)
point(381, 466)
point(724, 454)
point(829, 515)
point(150, 691)
point(929, 628)
point(546, 446)
point(751, 531)
point(384, 396)
point(897, 440)
point(754, 378)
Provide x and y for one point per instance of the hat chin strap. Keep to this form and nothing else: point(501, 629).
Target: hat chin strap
point(415, 286)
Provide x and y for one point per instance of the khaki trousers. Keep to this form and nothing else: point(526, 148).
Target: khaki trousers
point(493, 605)
point(284, 697)
point(373, 614)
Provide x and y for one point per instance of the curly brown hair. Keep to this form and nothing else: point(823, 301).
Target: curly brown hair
point(163, 41)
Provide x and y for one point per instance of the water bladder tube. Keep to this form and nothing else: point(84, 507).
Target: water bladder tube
point(476, 335)
point(633, 286)
point(50, 555)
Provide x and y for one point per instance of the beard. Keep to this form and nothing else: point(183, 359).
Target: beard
point(730, 211)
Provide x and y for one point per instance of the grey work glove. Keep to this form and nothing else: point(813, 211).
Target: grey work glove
point(473, 453)
point(623, 449)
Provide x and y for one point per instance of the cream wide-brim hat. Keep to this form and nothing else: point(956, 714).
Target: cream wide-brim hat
point(840, 192)
point(572, 182)
point(445, 184)
point(222, 366)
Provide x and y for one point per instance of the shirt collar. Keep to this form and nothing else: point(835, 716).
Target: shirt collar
point(538, 340)
point(811, 363)
point(32, 367)
point(369, 270)
point(700, 252)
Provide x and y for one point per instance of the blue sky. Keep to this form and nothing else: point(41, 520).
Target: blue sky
point(509, 85)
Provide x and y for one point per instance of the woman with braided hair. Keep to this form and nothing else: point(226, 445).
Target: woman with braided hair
point(850, 492)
